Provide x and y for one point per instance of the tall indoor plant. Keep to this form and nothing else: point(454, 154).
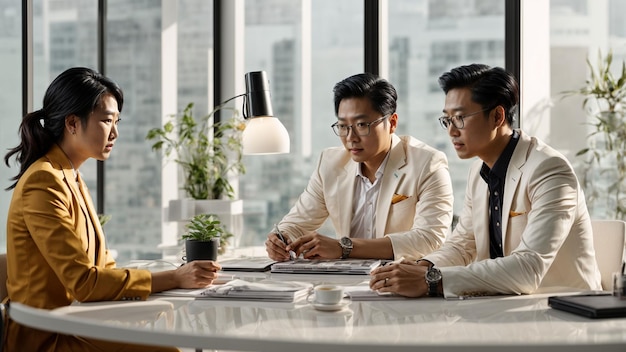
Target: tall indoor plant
point(605, 155)
point(206, 151)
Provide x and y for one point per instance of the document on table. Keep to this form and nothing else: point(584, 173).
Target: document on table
point(327, 266)
point(364, 293)
point(264, 290)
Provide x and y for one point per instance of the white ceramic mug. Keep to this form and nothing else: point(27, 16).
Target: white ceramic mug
point(328, 294)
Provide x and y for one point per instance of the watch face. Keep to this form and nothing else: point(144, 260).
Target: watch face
point(345, 241)
point(433, 275)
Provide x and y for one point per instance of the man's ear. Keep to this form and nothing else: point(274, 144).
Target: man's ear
point(500, 116)
point(393, 121)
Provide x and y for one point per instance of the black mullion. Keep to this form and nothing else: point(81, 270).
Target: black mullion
point(101, 39)
point(512, 44)
point(27, 57)
point(371, 44)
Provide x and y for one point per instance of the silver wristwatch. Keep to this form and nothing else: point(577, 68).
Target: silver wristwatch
point(346, 247)
point(433, 278)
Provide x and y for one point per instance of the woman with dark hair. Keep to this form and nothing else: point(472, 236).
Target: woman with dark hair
point(56, 251)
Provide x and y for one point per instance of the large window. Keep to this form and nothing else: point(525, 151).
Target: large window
point(426, 39)
point(64, 35)
point(579, 29)
point(10, 98)
point(305, 47)
point(133, 173)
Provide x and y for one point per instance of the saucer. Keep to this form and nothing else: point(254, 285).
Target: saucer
point(331, 307)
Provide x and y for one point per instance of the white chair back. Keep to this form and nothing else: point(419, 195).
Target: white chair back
point(608, 241)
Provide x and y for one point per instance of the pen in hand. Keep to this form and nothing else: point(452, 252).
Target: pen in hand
point(292, 254)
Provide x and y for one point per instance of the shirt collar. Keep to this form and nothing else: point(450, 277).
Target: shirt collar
point(502, 164)
point(379, 171)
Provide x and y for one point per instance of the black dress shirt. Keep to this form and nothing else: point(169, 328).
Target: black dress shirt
point(495, 181)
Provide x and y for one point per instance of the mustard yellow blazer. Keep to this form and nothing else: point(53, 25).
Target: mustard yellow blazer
point(50, 260)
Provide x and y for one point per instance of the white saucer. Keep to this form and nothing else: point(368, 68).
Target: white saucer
point(331, 307)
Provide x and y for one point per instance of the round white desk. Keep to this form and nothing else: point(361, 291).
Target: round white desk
point(521, 323)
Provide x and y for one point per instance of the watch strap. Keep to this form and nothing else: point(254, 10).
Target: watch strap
point(433, 289)
point(433, 285)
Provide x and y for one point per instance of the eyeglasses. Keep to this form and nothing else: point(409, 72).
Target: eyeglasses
point(360, 128)
point(457, 120)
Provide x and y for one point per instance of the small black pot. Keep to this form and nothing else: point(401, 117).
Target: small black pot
point(201, 250)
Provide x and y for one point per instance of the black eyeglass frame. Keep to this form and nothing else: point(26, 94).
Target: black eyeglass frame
point(447, 121)
point(335, 127)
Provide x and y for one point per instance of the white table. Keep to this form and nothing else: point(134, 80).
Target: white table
point(523, 323)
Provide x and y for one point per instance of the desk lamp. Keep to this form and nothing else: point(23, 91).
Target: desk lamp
point(264, 134)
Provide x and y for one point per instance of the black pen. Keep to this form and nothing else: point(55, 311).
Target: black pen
point(292, 254)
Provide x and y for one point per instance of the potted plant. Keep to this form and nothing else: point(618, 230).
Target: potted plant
point(604, 173)
point(208, 153)
point(205, 237)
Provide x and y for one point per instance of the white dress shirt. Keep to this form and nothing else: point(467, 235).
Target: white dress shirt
point(363, 222)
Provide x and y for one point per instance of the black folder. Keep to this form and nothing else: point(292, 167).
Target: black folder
point(595, 306)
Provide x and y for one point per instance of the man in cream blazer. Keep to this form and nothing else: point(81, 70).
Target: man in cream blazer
point(546, 231)
point(386, 196)
point(525, 227)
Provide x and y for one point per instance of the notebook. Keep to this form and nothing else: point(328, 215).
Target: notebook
point(593, 306)
point(252, 264)
point(327, 266)
point(264, 290)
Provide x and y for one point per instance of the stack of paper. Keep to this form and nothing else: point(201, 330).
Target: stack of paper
point(327, 266)
point(264, 290)
point(364, 293)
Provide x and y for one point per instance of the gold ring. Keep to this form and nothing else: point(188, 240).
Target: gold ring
point(386, 279)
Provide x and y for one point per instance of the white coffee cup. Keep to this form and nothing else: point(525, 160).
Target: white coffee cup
point(328, 294)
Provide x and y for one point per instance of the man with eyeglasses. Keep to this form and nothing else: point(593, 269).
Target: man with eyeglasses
point(387, 196)
point(525, 227)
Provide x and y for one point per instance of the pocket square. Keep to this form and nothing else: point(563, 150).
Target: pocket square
point(398, 198)
point(513, 214)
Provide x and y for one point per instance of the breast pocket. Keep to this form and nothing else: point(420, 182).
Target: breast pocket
point(515, 228)
point(401, 215)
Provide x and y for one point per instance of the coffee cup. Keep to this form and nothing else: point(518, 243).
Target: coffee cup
point(328, 294)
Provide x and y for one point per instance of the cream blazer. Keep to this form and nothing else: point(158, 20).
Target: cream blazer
point(50, 260)
point(414, 207)
point(546, 230)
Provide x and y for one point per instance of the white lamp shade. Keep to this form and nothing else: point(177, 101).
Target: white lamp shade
point(265, 135)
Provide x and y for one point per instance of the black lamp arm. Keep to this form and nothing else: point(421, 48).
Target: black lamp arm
point(215, 109)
